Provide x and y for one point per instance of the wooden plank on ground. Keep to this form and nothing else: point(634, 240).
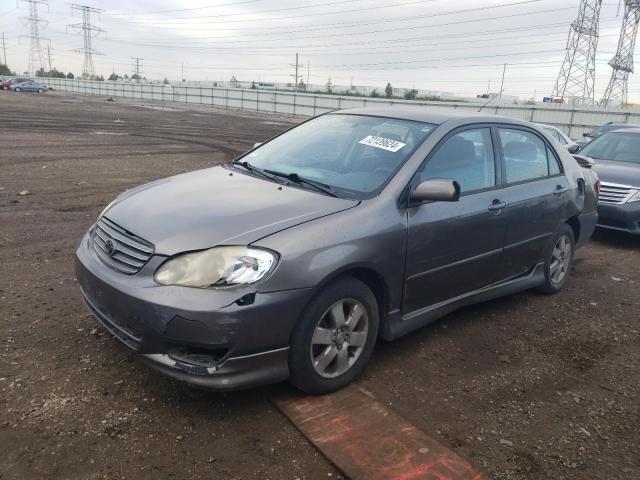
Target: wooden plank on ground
point(367, 441)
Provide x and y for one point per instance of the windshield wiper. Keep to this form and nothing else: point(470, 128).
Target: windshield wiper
point(250, 168)
point(294, 177)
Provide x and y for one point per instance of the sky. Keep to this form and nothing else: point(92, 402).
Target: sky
point(443, 45)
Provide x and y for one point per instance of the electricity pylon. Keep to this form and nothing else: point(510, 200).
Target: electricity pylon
point(578, 73)
point(622, 63)
point(36, 24)
point(88, 32)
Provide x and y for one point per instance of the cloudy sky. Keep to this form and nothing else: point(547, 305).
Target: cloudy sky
point(447, 45)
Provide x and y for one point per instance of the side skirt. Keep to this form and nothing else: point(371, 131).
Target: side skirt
point(397, 325)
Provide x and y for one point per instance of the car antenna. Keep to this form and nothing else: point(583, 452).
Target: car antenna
point(490, 100)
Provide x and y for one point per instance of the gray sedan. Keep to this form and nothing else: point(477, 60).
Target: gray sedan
point(293, 259)
point(29, 86)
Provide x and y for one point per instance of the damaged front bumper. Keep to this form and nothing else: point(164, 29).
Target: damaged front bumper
point(219, 339)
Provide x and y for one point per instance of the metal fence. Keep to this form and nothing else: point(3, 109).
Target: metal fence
point(573, 121)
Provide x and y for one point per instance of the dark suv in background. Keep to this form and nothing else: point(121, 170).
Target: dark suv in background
point(607, 127)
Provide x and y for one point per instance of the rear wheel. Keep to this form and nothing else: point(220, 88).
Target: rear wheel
point(334, 337)
point(39, 90)
point(559, 260)
point(18, 89)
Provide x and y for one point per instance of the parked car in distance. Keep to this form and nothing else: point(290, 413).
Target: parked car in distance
point(291, 261)
point(607, 127)
point(29, 86)
point(14, 81)
point(617, 156)
point(559, 135)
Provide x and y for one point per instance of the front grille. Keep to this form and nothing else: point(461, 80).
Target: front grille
point(613, 193)
point(120, 249)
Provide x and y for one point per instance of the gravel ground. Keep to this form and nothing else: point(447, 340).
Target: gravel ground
point(525, 387)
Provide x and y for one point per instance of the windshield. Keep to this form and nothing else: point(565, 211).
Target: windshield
point(618, 147)
point(354, 155)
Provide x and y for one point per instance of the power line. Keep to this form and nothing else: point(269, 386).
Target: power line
point(617, 91)
point(186, 9)
point(36, 24)
point(88, 32)
point(169, 22)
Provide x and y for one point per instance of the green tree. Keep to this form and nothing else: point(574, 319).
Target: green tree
point(4, 70)
point(70, 75)
point(374, 94)
point(301, 86)
point(113, 77)
point(388, 91)
point(166, 81)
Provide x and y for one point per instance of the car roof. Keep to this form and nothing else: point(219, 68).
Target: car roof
point(634, 129)
point(623, 124)
point(435, 116)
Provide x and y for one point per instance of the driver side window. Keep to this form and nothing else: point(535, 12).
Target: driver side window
point(466, 157)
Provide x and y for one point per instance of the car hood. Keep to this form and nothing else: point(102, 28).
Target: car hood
point(624, 173)
point(216, 206)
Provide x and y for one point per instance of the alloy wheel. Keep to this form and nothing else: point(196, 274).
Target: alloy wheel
point(339, 338)
point(560, 259)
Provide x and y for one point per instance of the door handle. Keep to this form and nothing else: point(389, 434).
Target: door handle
point(497, 206)
point(560, 190)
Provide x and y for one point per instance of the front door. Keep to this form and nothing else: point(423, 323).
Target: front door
point(454, 247)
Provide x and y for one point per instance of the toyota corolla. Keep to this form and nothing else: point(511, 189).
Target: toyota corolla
point(290, 261)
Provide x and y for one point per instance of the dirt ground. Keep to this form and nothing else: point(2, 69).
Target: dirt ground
point(525, 387)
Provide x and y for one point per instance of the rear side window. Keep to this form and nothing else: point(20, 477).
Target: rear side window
point(526, 156)
point(466, 157)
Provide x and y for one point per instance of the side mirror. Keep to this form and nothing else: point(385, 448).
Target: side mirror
point(573, 148)
point(586, 135)
point(437, 190)
point(585, 162)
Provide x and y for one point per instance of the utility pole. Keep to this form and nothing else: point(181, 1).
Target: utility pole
point(182, 76)
point(4, 50)
point(296, 76)
point(49, 57)
point(308, 70)
point(36, 24)
point(137, 70)
point(504, 70)
point(88, 32)
point(617, 91)
point(577, 75)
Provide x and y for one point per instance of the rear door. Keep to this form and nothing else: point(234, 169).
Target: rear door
point(536, 191)
point(454, 247)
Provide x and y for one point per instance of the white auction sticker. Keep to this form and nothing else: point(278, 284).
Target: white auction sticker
point(383, 143)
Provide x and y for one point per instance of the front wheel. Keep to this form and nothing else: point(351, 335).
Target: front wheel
point(334, 337)
point(40, 90)
point(559, 260)
point(18, 89)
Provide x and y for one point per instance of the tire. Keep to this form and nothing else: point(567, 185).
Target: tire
point(558, 260)
point(5, 88)
point(40, 90)
point(318, 338)
point(18, 89)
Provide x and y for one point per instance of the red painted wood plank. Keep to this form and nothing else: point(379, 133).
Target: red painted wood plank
point(367, 441)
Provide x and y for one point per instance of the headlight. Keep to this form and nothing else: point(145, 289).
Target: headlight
point(635, 198)
point(219, 266)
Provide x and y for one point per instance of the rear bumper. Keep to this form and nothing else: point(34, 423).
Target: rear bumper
point(218, 339)
point(624, 217)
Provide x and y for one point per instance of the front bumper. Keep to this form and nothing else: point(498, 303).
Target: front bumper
point(622, 217)
point(219, 339)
